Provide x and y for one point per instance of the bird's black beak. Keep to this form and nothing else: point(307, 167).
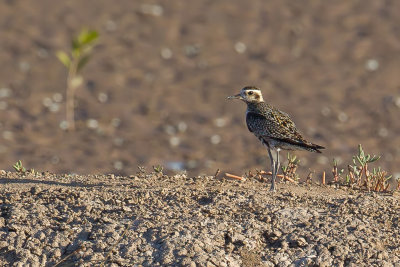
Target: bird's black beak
point(238, 96)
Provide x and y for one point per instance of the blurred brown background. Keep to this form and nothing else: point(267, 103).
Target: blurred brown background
point(155, 90)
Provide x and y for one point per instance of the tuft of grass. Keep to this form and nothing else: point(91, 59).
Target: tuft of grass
point(74, 61)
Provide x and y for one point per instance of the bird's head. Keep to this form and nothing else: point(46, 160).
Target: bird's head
point(249, 94)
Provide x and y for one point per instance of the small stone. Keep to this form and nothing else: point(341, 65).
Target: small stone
point(57, 253)
point(240, 47)
point(215, 139)
point(372, 64)
point(166, 53)
point(174, 141)
point(342, 117)
point(102, 97)
point(92, 124)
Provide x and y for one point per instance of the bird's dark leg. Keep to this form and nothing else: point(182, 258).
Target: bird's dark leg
point(273, 167)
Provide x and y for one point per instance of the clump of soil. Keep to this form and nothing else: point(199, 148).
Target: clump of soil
point(159, 220)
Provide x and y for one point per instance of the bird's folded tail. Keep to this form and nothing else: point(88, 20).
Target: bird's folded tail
point(302, 144)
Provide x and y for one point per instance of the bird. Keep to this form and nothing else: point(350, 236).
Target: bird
point(274, 128)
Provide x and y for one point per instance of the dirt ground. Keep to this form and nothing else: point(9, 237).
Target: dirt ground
point(156, 86)
point(159, 220)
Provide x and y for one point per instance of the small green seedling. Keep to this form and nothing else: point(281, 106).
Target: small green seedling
point(74, 61)
point(158, 169)
point(360, 177)
point(18, 167)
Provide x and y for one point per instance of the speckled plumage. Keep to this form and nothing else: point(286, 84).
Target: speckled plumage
point(274, 128)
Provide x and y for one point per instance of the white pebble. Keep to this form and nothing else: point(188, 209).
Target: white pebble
point(342, 117)
point(215, 139)
point(47, 102)
point(240, 47)
point(154, 10)
point(372, 64)
point(182, 126)
point(220, 122)
point(103, 97)
point(54, 107)
point(8, 135)
point(24, 66)
point(174, 141)
point(5, 92)
point(92, 123)
point(64, 125)
point(166, 53)
point(57, 97)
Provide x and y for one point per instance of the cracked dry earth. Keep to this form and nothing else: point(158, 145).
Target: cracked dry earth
point(155, 220)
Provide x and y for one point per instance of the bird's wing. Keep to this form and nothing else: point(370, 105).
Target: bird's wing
point(277, 125)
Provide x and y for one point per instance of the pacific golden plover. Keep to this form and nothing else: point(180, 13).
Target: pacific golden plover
point(272, 127)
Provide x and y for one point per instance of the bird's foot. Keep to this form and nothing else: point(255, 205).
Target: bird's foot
point(272, 188)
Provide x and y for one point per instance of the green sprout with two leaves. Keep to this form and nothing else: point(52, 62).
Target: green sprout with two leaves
point(74, 61)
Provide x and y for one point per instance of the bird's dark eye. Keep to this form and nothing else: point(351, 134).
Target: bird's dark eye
point(250, 93)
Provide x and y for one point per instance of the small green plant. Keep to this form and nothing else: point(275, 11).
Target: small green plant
point(289, 170)
point(359, 176)
point(74, 61)
point(18, 167)
point(158, 169)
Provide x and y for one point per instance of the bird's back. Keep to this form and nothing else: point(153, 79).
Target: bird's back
point(275, 128)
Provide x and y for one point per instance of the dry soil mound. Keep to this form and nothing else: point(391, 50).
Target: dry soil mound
point(156, 220)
